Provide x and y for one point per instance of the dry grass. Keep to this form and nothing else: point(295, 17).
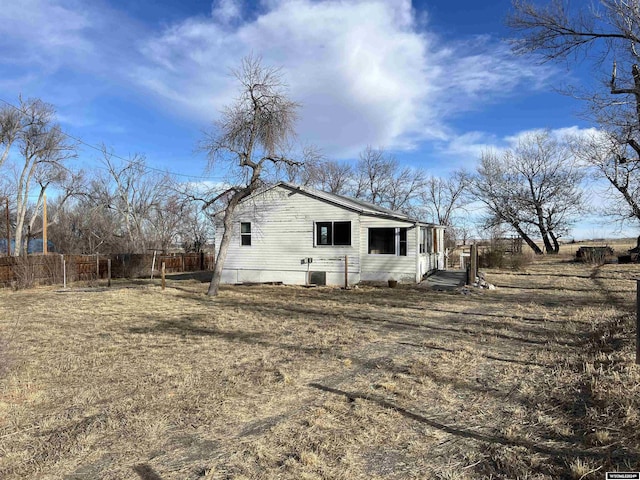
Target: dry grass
point(534, 380)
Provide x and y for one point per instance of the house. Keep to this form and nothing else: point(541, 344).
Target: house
point(298, 235)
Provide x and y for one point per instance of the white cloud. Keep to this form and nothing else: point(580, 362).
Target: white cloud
point(43, 31)
point(226, 11)
point(465, 150)
point(365, 71)
point(557, 133)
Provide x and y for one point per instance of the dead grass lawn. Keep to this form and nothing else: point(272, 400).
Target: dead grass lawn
point(534, 380)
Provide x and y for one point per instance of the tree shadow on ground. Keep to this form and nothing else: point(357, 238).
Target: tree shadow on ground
point(557, 454)
point(145, 472)
point(203, 276)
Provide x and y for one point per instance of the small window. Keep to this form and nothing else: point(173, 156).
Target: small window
point(245, 234)
point(324, 234)
point(402, 239)
point(423, 240)
point(333, 233)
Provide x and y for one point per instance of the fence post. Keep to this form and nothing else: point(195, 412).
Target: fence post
point(473, 264)
point(108, 272)
point(64, 273)
point(8, 231)
point(346, 272)
point(637, 321)
point(163, 278)
point(153, 264)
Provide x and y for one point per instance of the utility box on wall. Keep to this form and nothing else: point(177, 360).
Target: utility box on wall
point(318, 278)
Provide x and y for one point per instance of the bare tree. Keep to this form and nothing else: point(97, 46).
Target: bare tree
point(124, 208)
point(302, 173)
point(11, 125)
point(495, 187)
point(196, 227)
point(607, 33)
point(380, 180)
point(68, 183)
point(136, 198)
point(249, 137)
point(596, 150)
point(533, 187)
point(332, 176)
point(442, 198)
point(42, 149)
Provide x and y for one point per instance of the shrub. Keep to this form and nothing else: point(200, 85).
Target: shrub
point(24, 272)
point(492, 258)
point(498, 258)
point(594, 255)
point(32, 270)
point(520, 261)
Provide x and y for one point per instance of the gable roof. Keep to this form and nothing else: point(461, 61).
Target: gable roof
point(353, 204)
point(349, 203)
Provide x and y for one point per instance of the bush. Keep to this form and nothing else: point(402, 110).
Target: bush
point(29, 271)
point(520, 261)
point(498, 258)
point(594, 255)
point(492, 258)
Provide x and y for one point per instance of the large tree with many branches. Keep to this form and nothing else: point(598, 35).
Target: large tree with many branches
point(606, 33)
point(251, 135)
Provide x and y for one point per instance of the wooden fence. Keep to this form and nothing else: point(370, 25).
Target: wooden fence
point(50, 269)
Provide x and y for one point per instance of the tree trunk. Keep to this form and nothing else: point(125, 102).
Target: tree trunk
point(224, 244)
point(556, 244)
point(526, 238)
point(548, 247)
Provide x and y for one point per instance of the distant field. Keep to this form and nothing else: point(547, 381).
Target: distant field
point(534, 380)
point(619, 245)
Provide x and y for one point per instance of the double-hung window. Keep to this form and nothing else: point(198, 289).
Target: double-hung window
point(333, 233)
point(245, 234)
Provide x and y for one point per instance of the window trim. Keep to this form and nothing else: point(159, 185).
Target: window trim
point(332, 233)
point(398, 243)
point(245, 235)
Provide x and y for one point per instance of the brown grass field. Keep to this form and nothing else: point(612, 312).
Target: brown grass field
point(534, 380)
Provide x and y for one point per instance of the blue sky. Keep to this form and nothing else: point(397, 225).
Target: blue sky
point(432, 81)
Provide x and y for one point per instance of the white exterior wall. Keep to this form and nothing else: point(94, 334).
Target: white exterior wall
point(382, 267)
point(282, 234)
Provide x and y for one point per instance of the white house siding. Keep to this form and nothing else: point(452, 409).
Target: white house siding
point(381, 267)
point(282, 235)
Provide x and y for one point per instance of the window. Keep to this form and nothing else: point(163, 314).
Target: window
point(402, 242)
point(245, 234)
point(342, 233)
point(388, 241)
point(333, 233)
point(429, 236)
point(423, 240)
